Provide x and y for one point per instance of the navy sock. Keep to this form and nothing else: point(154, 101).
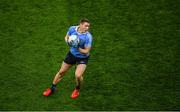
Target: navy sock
point(78, 87)
point(53, 87)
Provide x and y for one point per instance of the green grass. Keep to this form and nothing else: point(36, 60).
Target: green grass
point(134, 62)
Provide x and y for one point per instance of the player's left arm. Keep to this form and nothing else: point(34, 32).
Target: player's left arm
point(86, 50)
point(87, 46)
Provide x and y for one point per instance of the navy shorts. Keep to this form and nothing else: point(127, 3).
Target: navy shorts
point(71, 59)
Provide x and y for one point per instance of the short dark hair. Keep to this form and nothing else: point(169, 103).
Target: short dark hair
point(84, 20)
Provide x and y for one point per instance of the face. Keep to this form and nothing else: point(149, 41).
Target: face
point(84, 26)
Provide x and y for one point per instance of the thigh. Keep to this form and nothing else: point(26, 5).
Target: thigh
point(65, 67)
point(80, 68)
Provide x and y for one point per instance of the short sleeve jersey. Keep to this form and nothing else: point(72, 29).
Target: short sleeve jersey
point(85, 41)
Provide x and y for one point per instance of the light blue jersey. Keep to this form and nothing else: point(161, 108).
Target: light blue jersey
point(85, 41)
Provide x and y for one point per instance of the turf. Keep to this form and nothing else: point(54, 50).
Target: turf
point(134, 62)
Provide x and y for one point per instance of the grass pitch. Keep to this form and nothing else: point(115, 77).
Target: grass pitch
point(134, 62)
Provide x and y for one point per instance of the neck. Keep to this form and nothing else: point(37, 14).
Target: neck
point(80, 30)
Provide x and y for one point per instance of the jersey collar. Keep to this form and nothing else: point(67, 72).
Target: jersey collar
point(78, 32)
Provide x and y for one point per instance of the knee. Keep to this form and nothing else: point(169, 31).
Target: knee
point(61, 72)
point(79, 76)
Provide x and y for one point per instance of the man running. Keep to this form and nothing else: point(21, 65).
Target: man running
point(76, 56)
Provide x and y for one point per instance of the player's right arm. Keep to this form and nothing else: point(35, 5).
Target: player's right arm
point(69, 33)
point(66, 37)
